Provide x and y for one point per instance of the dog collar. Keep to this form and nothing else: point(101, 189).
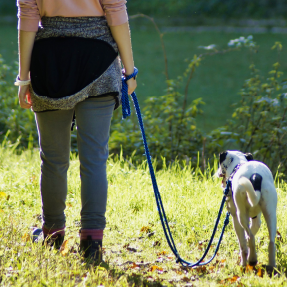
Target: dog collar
point(236, 168)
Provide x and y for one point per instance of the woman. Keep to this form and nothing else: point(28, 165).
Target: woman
point(69, 66)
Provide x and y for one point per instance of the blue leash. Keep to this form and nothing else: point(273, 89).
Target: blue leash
point(127, 112)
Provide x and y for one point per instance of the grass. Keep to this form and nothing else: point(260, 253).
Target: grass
point(135, 249)
point(217, 80)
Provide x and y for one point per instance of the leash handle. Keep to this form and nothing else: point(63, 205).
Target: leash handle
point(126, 109)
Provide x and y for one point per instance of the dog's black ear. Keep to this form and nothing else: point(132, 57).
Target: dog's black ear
point(222, 156)
point(249, 156)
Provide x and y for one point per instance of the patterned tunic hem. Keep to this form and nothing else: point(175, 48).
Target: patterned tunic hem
point(105, 84)
point(85, 27)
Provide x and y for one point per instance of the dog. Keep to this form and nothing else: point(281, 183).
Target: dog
point(252, 192)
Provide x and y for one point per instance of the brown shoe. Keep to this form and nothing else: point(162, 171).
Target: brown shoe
point(91, 250)
point(56, 241)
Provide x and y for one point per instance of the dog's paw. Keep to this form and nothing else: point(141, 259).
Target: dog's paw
point(271, 271)
point(252, 262)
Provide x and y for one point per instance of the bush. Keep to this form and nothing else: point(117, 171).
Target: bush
point(170, 123)
point(19, 122)
point(259, 122)
point(225, 9)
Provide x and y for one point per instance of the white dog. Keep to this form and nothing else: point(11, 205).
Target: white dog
point(252, 192)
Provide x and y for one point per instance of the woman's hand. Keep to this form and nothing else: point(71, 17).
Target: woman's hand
point(132, 84)
point(26, 42)
point(24, 97)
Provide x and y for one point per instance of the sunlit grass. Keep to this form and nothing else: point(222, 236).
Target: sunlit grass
point(135, 249)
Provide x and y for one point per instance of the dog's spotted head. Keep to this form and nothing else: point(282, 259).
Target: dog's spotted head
point(231, 158)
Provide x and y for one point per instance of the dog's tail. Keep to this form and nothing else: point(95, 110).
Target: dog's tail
point(253, 195)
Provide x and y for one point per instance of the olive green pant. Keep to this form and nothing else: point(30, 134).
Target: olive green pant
point(93, 118)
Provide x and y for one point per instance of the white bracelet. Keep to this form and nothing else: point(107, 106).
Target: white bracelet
point(18, 82)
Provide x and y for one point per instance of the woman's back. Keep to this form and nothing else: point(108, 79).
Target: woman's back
point(31, 11)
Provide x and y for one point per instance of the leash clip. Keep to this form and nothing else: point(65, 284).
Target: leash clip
point(228, 184)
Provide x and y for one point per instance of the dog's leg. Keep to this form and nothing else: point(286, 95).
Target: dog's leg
point(241, 239)
point(255, 224)
point(242, 204)
point(239, 231)
point(244, 221)
point(269, 213)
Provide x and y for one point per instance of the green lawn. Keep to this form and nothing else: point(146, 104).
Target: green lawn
point(135, 249)
point(217, 80)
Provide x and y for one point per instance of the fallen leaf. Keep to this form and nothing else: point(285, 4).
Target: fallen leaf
point(161, 253)
point(146, 229)
point(64, 250)
point(85, 275)
point(279, 236)
point(200, 269)
point(260, 272)
point(233, 279)
point(249, 268)
point(156, 243)
point(211, 267)
point(199, 246)
point(185, 279)
point(155, 267)
point(135, 265)
point(26, 237)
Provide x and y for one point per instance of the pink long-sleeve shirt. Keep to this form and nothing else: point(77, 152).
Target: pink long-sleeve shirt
point(30, 12)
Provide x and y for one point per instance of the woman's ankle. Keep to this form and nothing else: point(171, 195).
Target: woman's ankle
point(94, 234)
point(53, 232)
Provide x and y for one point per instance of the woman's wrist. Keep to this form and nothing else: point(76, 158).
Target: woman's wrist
point(131, 75)
point(129, 70)
point(20, 83)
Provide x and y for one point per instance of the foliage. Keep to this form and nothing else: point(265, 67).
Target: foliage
point(170, 123)
point(171, 132)
point(135, 249)
point(13, 119)
point(259, 120)
point(225, 9)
